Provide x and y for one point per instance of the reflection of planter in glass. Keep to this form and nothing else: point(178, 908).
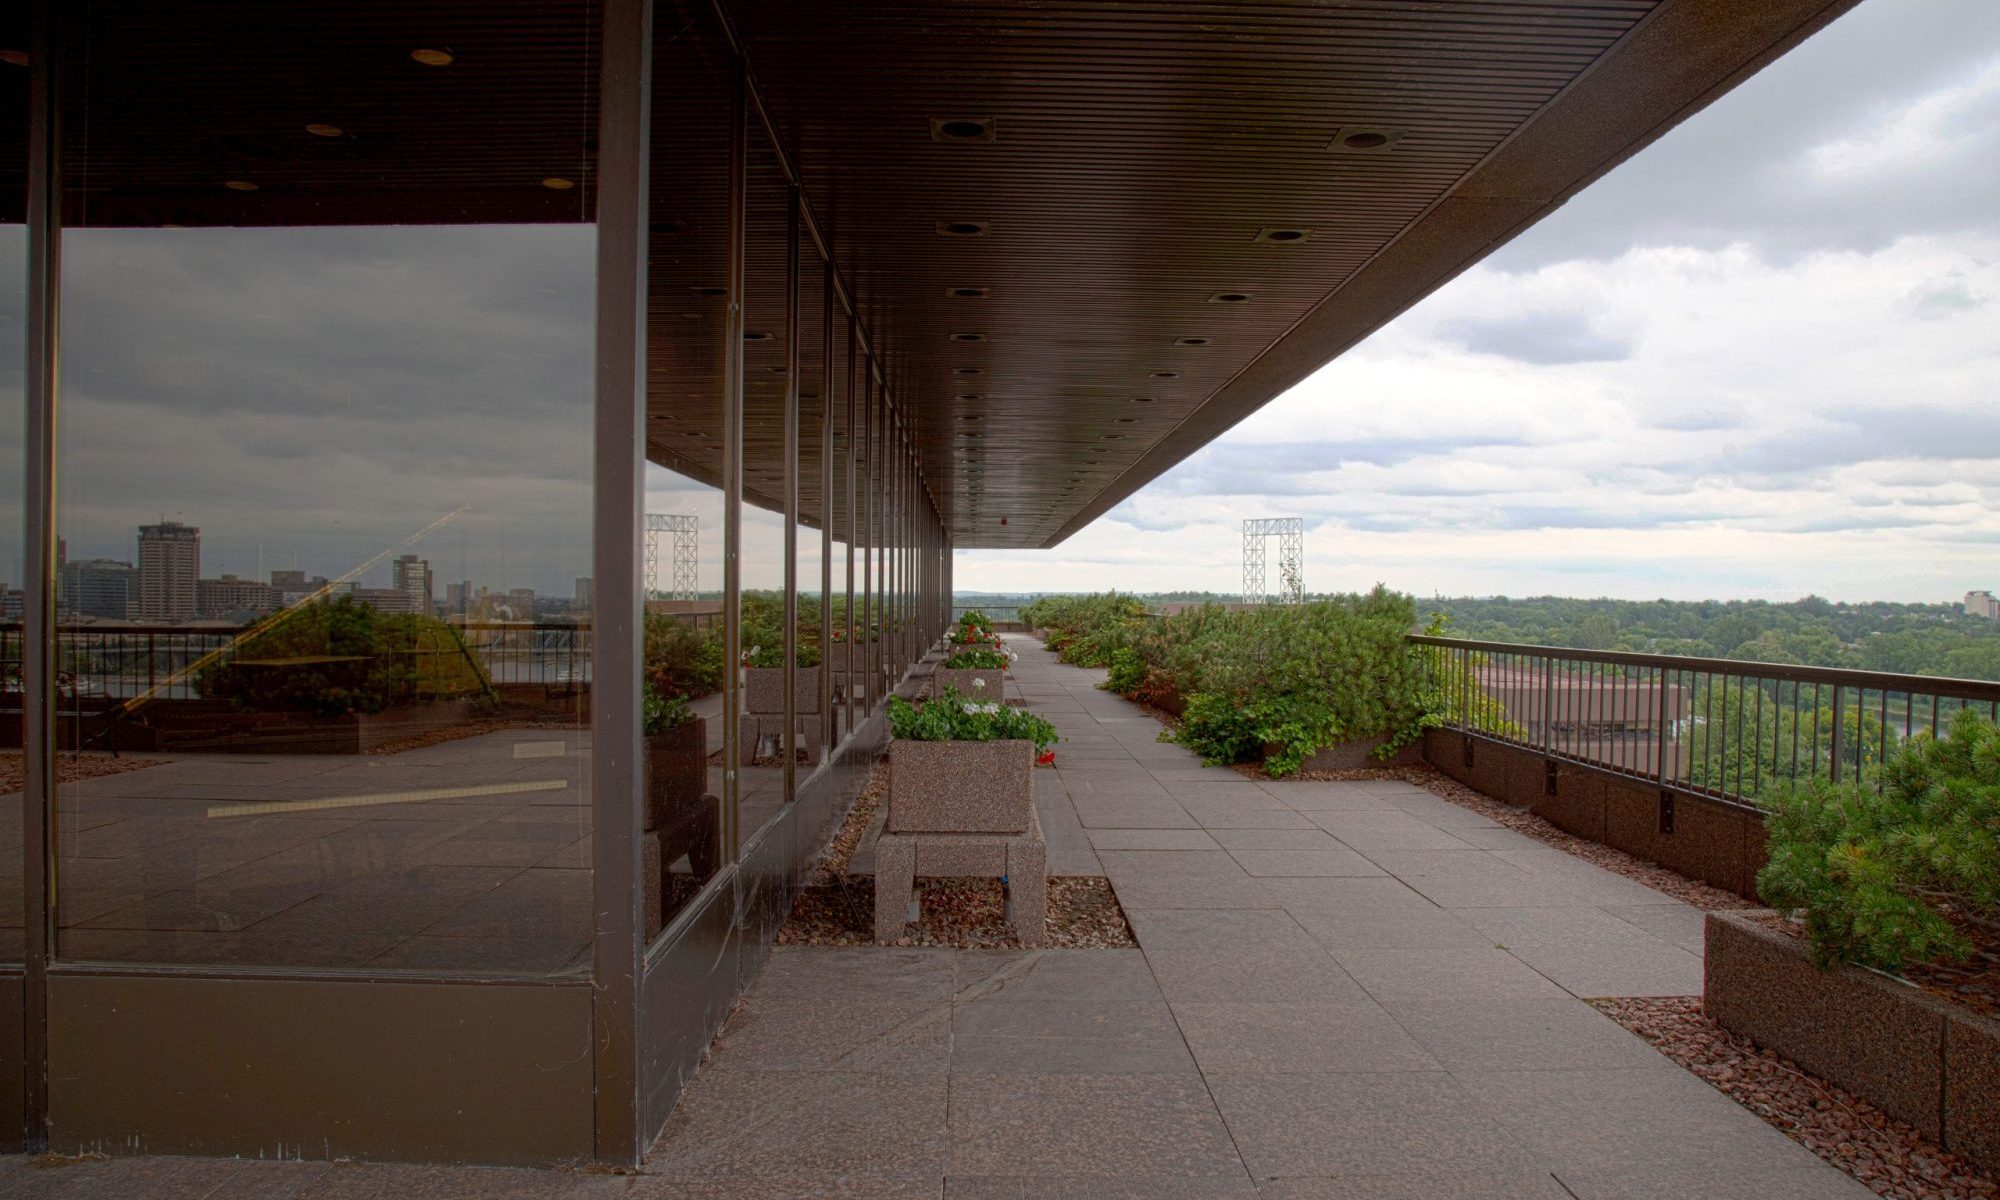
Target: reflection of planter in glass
point(961, 787)
point(981, 685)
point(676, 806)
point(764, 691)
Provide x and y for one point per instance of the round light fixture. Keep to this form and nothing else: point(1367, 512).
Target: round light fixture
point(239, 185)
point(962, 228)
point(1229, 298)
point(756, 337)
point(967, 293)
point(557, 183)
point(326, 131)
point(1191, 341)
point(1142, 399)
point(709, 290)
point(432, 58)
point(968, 337)
point(1166, 375)
point(1368, 140)
point(962, 129)
point(968, 370)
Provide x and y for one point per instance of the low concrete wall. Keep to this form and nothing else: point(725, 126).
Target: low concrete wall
point(1718, 843)
point(1912, 1055)
point(1359, 755)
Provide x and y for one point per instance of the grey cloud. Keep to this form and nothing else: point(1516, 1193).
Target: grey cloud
point(1717, 179)
point(1697, 423)
point(1864, 435)
point(1943, 298)
point(1540, 339)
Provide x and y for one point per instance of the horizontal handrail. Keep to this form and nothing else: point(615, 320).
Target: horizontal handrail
point(1716, 726)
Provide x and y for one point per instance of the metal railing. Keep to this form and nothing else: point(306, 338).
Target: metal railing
point(1000, 614)
point(1714, 726)
point(124, 661)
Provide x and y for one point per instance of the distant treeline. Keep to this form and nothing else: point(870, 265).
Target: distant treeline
point(1916, 639)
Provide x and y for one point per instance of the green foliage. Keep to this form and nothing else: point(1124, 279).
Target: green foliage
point(337, 656)
point(976, 624)
point(1451, 694)
point(1128, 672)
point(1085, 630)
point(681, 660)
point(763, 636)
point(659, 712)
point(953, 718)
point(1881, 875)
point(1740, 738)
point(977, 658)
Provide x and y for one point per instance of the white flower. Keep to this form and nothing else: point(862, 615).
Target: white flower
point(978, 682)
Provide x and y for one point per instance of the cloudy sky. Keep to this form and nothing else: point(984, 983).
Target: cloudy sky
point(1761, 359)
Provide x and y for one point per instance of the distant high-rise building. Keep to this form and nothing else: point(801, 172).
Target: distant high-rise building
point(387, 600)
point(289, 581)
point(458, 597)
point(97, 587)
point(412, 577)
point(216, 599)
point(1982, 604)
point(169, 564)
point(521, 602)
point(584, 592)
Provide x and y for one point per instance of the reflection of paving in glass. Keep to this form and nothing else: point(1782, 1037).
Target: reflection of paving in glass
point(473, 855)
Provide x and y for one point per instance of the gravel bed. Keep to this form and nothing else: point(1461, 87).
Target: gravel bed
point(70, 768)
point(1884, 1154)
point(836, 908)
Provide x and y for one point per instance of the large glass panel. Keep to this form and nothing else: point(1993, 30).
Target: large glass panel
point(687, 331)
point(766, 638)
point(13, 344)
point(840, 634)
point(325, 480)
point(805, 468)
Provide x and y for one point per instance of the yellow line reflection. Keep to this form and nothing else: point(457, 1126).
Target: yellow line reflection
point(285, 806)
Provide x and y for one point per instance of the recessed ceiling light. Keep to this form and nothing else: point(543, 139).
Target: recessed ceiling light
point(1166, 375)
point(1128, 420)
point(239, 185)
point(968, 337)
point(432, 58)
point(756, 337)
point(963, 228)
point(709, 290)
point(968, 293)
point(673, 227)
point(18, 57)
point(1282, 237)
point(968, 370)
point(1364, 139)
point(1229, 298)
point(1142, 399)
point(557, 183)
point(325, 131)
point(1191, 341)
point(969, 396)
point(774, 370)
point(962, 129)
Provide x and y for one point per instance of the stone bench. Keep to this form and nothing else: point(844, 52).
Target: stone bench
point(1021, 859)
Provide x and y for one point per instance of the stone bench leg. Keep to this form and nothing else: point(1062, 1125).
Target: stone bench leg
point(1028, 889)
point(895, 885)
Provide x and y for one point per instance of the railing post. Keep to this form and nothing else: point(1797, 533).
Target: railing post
point(1660, 714)
point(1836, 743)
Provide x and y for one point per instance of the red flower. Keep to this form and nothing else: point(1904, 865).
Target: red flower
point(1047, 759)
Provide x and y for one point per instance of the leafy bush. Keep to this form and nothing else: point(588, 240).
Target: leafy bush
point(338, 656)
point(977, 623)
point(1085, 630)
point(1883, 877)
point(1128, 672)
point(681, 660)
point(659, 712)
point(977, 658)
point(953, 718)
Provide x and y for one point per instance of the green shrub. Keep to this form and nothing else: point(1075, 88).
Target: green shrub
point(681, 660)
point(977, 658)
point(1128, 672)
point(659, 712)
point(953, 718)
point(338, 656)
point(1883, 876)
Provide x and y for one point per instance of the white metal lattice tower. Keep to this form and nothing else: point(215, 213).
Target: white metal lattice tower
point(1291, 535)
point(686, 530)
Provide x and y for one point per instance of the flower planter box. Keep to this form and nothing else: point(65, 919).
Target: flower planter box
point(985, 685)
point(961, 787)
point(764, 691)
point(1914, 1056)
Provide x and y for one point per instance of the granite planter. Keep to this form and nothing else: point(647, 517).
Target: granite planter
point(1358, 754)
point(961, 787)
point(764, 691)
point(1918, 1058)
point(679, 812)
point(982, 685)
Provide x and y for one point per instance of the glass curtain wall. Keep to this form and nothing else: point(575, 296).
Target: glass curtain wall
point(800, 465)
point(325, 487)
point(13, 382)
point(687, 357)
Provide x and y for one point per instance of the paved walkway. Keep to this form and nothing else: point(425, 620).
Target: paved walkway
point(1342, 990)
point(1350, 990)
